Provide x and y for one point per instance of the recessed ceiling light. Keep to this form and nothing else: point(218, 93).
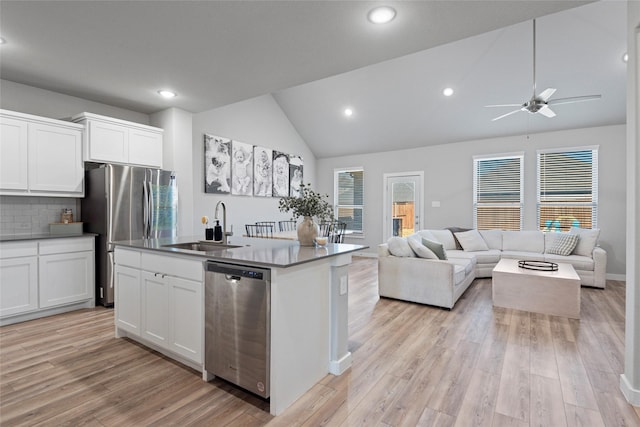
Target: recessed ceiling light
point(2, 41)
point(348, 112)
point(167, 93)
point(447, 91)
point(625, 57)
point(381, 15)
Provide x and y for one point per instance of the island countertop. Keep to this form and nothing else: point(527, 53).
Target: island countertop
point(250, 251)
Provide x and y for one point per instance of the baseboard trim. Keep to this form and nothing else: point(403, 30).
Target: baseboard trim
point(365, 254)
point(620, 277)
point(631, 394)
point(337, 367)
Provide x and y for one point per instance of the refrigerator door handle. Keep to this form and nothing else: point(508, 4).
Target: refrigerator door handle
point(145, 213)
point(152, 209)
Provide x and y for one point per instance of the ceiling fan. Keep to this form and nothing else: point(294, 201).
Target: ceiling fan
point(540, 103)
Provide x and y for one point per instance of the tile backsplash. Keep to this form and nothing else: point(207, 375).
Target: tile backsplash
point(32, 215)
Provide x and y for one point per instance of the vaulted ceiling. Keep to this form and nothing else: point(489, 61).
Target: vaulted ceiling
point(319, 57)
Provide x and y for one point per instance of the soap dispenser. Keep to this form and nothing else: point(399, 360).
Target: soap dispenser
point(217, 232)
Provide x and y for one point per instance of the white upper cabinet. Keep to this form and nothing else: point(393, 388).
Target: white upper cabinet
point(40, 156)
point(119, 141)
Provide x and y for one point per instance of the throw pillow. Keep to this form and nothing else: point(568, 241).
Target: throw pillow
point(455, 230)
point(472, 241)
point(563, 244)
point(398, 246)
point(436, 247)
point(586, 242)
point(421, 250)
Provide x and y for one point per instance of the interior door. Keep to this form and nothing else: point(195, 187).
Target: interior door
point(403, 210)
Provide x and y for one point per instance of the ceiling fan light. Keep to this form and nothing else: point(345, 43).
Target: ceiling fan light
point(381, 15)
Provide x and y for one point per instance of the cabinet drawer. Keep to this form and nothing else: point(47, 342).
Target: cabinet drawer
point(127, 257)
point(59, 246)
point(174, 266)
point(18, 249)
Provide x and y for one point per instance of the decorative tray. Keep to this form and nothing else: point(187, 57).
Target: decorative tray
point(538, 265)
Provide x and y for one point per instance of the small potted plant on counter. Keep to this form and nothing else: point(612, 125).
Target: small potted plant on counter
point(308, 205)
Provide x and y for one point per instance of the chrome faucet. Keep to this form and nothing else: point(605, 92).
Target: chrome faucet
point(225, 233)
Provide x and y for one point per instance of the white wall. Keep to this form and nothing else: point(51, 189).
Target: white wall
point(40, 102)
point(630, 379)
point(257, 121)
point(177, 155)
point(448, 171)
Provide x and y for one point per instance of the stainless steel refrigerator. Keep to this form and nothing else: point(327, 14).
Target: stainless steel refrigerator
point(126, 203)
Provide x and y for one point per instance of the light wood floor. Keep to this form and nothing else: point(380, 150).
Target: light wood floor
point(413, 365)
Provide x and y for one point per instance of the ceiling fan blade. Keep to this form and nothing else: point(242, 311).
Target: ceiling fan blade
point(546, 94)
point(547, 112)
point(505, 115)
point(504, 105)
point(574, 99)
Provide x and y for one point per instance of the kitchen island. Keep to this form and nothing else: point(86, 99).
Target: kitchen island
point(160, 303)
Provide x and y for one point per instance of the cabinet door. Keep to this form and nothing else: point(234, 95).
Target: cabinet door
point(107, 142)
point(155, 308)
point(186, 318)
point(128, 299)
point(66, 278)
point(55, 159)
point(145, 148)
point(13, 154)
point(18, 285)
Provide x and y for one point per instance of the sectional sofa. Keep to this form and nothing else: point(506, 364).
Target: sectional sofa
point(410, 268)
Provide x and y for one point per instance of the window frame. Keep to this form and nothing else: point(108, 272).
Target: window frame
point(594, 204)
point(336, 192)
point(492, 157)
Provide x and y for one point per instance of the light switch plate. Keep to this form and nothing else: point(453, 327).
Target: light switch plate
point(435, 204)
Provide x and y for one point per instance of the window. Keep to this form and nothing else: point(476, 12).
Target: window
point(497, 192)
point(349, 197)
point(567, 188)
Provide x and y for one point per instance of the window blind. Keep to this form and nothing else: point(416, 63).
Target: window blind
point(497, 188)
point(567, 189)
point(349, 198)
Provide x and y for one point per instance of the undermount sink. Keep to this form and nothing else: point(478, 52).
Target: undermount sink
point(201, 246)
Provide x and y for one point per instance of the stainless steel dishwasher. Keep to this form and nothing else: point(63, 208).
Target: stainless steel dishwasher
point(237, 325)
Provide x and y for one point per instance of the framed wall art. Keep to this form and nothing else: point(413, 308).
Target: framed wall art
point(262, 171)
point(296, 167)
point(280, 174)
point(217, 164)
point(241, 169)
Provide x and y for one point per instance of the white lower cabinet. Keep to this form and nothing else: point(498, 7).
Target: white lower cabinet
point(127, 307)
point(160, 300)
point(18, 285)
point(44, 277)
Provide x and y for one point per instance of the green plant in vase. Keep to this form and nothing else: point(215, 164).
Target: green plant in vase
point(309, 205)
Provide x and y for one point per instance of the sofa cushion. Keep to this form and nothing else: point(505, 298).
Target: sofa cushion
point(423, 234)
point(587, 241)
point(398, 246)
point(436, 247)
point(471, 241)
point(458, 274)
point(523, 241)
point(562, 244)
point(492, 256)
point(493, 238)
point(521, 255)
point(469, 264)
point(455, 230)
point(445, 237)
point(421, 250)
point(579, 262)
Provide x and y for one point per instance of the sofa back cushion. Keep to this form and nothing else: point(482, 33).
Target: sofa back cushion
point(523, 241)
point(587, 241)
point(398, 246)
point(493, 238)
point(445, 237)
